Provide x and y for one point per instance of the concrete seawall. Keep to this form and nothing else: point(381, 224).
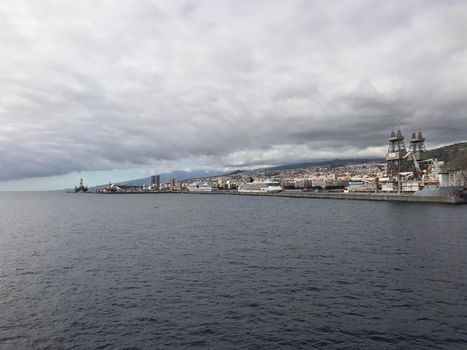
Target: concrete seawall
point(346, 196)
point(408, 198)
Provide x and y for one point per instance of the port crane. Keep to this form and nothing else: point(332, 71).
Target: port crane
point(410, 155)
point(418, 173)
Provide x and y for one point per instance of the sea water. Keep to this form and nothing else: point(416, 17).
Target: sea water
point(171, 271)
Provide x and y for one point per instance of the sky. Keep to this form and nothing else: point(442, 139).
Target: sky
point(111, 90)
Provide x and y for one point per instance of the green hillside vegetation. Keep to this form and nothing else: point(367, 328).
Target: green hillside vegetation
point(454, 155)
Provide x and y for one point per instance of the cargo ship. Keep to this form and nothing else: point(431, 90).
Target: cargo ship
point(440, 191)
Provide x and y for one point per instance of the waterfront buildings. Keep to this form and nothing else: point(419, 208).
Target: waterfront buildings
point(402, 170)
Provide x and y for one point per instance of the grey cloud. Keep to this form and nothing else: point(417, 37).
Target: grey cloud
point(99, 85)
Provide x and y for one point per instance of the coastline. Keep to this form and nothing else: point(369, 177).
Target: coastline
point(324, 195)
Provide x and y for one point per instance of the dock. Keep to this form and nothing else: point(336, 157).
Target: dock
point(385, 197)
point(390, 197)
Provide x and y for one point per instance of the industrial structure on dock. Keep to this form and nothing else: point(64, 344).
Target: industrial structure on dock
point(81, 187)
point(400, 160)
point(411, 171)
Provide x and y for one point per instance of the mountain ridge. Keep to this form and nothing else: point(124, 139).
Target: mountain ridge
point(454, 155)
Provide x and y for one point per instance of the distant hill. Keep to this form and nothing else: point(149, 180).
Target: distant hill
point(179, 175)
point(316, 164)
point(321, 163)
point(454, 155)
point(327, 163)
point(187, 175)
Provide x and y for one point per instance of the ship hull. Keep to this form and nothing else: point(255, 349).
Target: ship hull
point(259, 187)
point(437, 191)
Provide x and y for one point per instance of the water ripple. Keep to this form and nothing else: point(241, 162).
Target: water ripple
point(220, 272)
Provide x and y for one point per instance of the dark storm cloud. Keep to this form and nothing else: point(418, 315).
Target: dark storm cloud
point(98, 85)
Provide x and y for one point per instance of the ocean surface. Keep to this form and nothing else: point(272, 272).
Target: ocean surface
point(179, 271)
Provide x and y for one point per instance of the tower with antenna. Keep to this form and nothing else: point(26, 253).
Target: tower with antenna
point(395, 158)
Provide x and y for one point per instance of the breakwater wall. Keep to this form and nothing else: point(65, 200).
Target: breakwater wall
point(389, 197)
point(346, 196)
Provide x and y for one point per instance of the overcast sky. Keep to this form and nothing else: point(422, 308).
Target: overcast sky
point(124, 88)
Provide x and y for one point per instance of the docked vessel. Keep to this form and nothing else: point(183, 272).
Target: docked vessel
point(195, 187)
point(440, 191)
point(257, 186)
point(81, 187)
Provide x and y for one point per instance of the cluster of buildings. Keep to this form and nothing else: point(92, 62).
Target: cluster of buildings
point(403, 170)
point(154, 185)
point(330, 178)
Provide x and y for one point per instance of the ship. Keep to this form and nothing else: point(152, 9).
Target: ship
point(195, 187)
point(441, 191)
point(260, 186)
point(81, 187)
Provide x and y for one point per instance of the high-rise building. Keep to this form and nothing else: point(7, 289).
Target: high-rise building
point(156, 182)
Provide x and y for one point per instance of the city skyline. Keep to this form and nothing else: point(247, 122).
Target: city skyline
point(114, 90)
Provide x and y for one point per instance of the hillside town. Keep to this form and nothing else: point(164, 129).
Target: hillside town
point(404, 170)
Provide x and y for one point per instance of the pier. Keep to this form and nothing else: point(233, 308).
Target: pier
point(346, 196)
point(385, 197)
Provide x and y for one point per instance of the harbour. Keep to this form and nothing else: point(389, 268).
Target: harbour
point(233, 175)
point(387, 197)
point(452, 199)
point(413, 175)
point(352, 196)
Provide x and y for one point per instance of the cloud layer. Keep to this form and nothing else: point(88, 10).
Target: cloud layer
point(100, 85)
